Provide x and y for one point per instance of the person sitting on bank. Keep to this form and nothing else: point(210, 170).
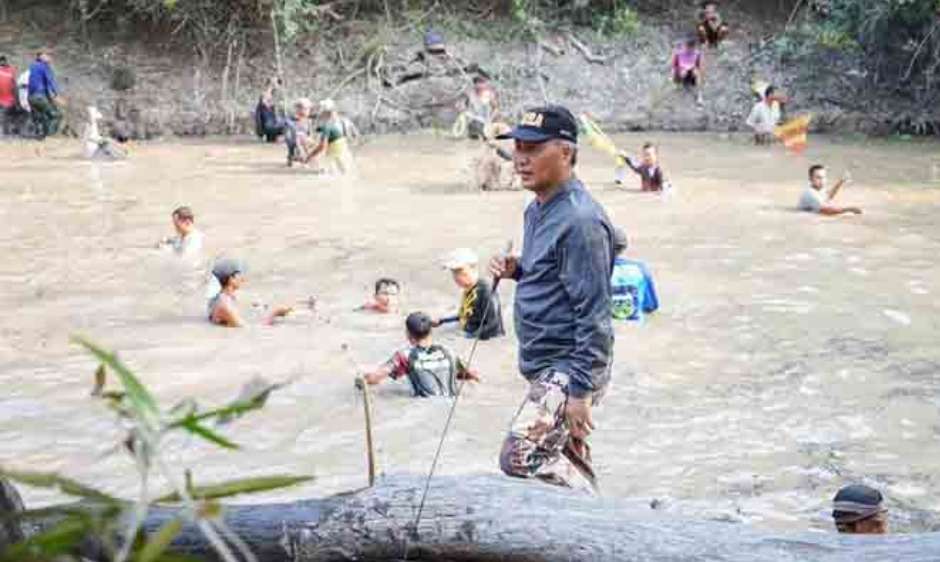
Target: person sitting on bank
point(711, 29)
point(764, 117)
point(860, 510)
point(268, 124)
point(652, 176)
point(43, 93)
point(297, 131)
point(432, 370)
point(480, 314)
point(479, 106)
point(97, 147)
point(188, 239)
point(332, 141)
point(386, 297)
point(816, 199)
point(223, 307)
point(687, 67)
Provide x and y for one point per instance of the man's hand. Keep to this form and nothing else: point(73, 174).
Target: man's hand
point(470, 375)
point(846, 177)
point(578, 416)
point(504, 267)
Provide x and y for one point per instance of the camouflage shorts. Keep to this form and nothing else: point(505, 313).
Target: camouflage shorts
point(539, 444)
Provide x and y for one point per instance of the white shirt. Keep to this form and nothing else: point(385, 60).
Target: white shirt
point(189, 245)
point(812, 200)
point(764, 118)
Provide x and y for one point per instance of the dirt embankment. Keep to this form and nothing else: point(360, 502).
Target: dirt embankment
point(373, 75)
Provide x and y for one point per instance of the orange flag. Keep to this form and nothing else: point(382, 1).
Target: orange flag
point(794, 133)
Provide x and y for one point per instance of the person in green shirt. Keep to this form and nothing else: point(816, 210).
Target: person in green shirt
point(333, 144)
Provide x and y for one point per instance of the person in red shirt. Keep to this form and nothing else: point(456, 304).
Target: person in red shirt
point(7, 95)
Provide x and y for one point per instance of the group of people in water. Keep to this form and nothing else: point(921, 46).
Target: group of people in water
point(573, 281)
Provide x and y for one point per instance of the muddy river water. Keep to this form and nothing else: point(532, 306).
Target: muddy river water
point(793, 354)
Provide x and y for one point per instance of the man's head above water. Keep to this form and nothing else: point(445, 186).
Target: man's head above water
point(546, 147)
point(859, 509)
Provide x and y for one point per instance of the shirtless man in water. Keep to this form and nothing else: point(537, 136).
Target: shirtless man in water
point(223, 307)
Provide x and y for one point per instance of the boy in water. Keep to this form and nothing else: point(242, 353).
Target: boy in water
point(632, 288)
point(223, 307)
point(711, 29)
point(431, 369)
point(188, 239)
point(385, 299)
point(687, 67)
point(478, 299)
point(652, 176)
point(816, 199)
point(860, 510)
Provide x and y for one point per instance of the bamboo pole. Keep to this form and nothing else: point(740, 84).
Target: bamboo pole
point(370, 448)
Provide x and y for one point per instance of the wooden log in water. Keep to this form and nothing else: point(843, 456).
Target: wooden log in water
point(489, 517)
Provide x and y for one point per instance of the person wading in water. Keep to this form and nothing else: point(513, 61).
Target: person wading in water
point(562, 305)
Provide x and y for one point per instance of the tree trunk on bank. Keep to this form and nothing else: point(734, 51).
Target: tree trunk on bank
point(490, 518)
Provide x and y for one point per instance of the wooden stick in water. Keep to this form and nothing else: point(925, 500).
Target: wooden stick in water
point(362, 385)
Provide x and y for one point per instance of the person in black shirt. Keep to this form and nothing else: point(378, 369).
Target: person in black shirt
point(478, 296)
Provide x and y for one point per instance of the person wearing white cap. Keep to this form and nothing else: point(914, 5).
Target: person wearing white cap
point(333, 143)
point(477, 296)
point(95, 145)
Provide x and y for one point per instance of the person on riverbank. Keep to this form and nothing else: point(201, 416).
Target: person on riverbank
point(268, 124)
point(479, 106)
point(764, 117)
point(44, 97)
point(223, 307)
point(562, 305)
point(385, 298)
point(96, 146)
point(652, 176)
point(432, 369)
point(297, 133)
point(712, 30)
point(816, 199)
point(8, 103)
point(480, 314)
point(332, 143)
point(860, 510)
point(493, 169)
point(188, 240)
point(687, 68)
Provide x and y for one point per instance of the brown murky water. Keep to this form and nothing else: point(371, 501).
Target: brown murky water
point(793, 354)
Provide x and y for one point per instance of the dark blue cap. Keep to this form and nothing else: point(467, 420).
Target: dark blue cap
point(541, 124)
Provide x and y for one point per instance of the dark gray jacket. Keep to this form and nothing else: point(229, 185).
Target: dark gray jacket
point(563, 300)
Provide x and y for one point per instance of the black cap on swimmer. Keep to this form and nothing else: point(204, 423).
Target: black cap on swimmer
point(855, 503)
point(418, 325)
point(620, 241)
point(225, 268)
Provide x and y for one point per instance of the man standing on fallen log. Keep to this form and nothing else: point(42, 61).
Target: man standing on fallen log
point(562, 307)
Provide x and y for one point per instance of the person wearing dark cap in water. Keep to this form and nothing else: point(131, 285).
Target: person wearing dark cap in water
point(562, 305)
point(223, 307)
point(860, 510)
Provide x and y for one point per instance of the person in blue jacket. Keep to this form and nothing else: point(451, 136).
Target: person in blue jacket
point(43, 92)
point(634, 294)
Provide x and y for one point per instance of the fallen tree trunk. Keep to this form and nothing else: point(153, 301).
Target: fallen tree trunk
point(488, 518)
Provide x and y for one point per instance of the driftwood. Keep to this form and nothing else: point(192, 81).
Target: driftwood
point(585, 52)
point(488, 518)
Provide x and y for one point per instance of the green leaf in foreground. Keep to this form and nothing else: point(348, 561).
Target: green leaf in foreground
point(238, 487)
point(193, 426)
point(61, 483)
point(139, 397)
point(158, 543)
point(51, 543)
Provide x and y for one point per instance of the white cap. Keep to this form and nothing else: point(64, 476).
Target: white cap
point(460, 258)
point(328, 105)
point(93, 113)
point(303, 102)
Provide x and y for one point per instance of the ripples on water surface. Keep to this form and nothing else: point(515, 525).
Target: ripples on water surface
point(793, 354)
